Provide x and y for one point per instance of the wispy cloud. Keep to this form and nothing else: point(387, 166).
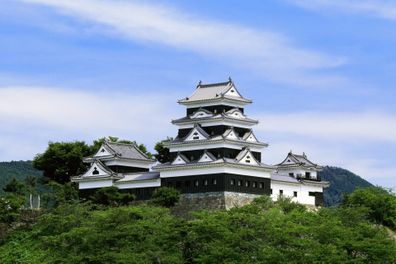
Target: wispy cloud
point(269, 54)
point(32, 116)
point(377, 8)
point(352, 127)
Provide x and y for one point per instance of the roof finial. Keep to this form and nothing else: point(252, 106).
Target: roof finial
point(229, 79)
point(290, 152)
point(304, 155)
point(199, 83)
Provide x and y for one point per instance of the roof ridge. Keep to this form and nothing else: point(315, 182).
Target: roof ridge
point(201, 85)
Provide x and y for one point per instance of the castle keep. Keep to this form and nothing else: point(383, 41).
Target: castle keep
point(216, 159)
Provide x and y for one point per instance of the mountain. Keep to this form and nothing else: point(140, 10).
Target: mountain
point(17, 169)
point(341, 181)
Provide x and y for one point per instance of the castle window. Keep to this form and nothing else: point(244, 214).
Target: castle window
point(214, 181)
point(103, 150)
point(261, 185)
point(232, 182)
point(239, 182)
point(205, 182)
point(295, 194)
point(307, 175)
point(291, 174)
point(196, 183)
point(280, 192)
point(195, 136)
point(271, 191)
point(254, 184)
point(95, 171)
point(311, 194)
point(247, 183)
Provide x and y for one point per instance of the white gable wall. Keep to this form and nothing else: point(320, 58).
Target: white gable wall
point(289, 189)
point(195, 135)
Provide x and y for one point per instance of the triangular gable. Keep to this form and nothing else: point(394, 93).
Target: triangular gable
point(97, 169)
point(201, 113)
point(235, 113)
point(250, 137)
point(230, 134)
point(207, 157)
point(180, 159)
point(246, 157)
point(104, 151)
point(232, 92)
point(197, 133)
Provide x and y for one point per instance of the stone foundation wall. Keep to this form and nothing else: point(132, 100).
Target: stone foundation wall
point(190, 202)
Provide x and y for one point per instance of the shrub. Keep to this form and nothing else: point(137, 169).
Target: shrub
point(166, 196)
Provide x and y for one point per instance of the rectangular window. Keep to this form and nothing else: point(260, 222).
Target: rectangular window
point(295, 194)
point(254, 184)
point(271, 191)
point(239, 182)
point(307, 175)
point(281, 192)
point(196, 183)
point(205, 182)
point(247, 183)
point(291, 174)
point(311, 193)
point(214, 181)
point(232, 182)
point(261, 186)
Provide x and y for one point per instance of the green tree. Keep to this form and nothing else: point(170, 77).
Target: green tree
point(16, 187)
point(10, 208)
point(62, 160)
point(111, 196)
point(381, 204)
point(165, 196)
point(162, 154)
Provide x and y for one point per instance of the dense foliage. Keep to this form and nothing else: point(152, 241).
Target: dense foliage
point(341, 182)
point(165, 196)
point(18, 170)
point(380, 204)
point(162, 154)
point(263, 232)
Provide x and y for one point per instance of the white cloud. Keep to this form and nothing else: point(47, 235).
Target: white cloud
point(376, 8)
point(268, 53)
point(32, 116)
point(351, 127)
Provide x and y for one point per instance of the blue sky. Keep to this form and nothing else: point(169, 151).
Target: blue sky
point(321, 73)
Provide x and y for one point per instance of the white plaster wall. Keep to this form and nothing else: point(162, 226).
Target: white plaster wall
point(138, 184)
point(298, 171)
point(95, 184)
point(288, 189)
point(222, 169)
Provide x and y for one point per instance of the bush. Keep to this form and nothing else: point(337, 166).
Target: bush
point(111, 196)
point(166, 196)
point(380, 203)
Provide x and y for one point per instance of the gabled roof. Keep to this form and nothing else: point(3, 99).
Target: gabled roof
point(297, 160)
point(245, 155)
point(230, 134)
point(250, 137)
point(215, 91)
point(180, 159)
point(140, 176)
point(200, 133)
point(207, 157)
point(122, 150)
point(97, 169)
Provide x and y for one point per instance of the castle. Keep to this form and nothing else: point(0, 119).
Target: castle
point(215, 159)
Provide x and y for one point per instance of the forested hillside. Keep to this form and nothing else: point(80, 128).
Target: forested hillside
point(341, 182)
point(16, 169)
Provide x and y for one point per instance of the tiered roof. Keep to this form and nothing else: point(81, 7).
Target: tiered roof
point(294, 160)
point(110, 150)
point(215, 92)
